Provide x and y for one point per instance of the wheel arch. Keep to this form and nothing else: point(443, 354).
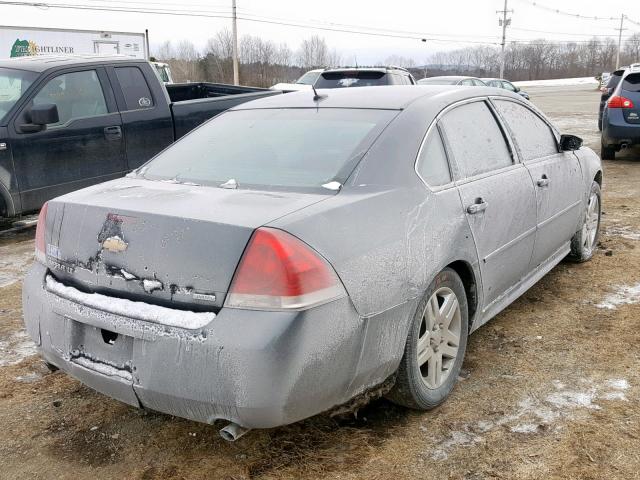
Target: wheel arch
point(598, 177)
point(466, 274)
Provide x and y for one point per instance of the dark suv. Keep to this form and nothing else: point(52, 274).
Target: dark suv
point(363, 77)
point(621, 115)
point(607, 90)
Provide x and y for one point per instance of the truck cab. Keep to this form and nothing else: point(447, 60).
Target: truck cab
point(70, 122)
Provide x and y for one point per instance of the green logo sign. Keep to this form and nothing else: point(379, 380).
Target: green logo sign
point(22, 48)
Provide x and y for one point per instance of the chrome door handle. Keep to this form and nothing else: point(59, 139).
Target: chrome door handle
point(479, 206)
point(543, 182)
point(113, 132)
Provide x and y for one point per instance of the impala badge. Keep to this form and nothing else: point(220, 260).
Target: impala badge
point(115, 244)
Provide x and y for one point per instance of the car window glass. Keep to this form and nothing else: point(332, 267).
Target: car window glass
point(467, 82)
point(76, 94)
point(631, 83)
point(532, 135)
point(509, 86)
point(137, 94)
point(476, 140)
point(433, 165)
point(479, 83)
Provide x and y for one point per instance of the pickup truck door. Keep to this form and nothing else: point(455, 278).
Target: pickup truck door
point(84, 148)
point(497, 196)
point(557, 179)
point(144, 106)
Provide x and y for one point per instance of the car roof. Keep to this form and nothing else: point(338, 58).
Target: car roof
point(495, 79)
point(40, 63)
point(396, 97)
point(450, 77)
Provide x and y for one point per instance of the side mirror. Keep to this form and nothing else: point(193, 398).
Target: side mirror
point(40, 116)
point(569, 143)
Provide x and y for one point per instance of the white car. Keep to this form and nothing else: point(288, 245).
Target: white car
point(303, 83)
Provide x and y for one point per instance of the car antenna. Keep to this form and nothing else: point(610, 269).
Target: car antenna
point(316, 95)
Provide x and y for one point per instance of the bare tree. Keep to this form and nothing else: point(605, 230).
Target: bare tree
point(314, 53)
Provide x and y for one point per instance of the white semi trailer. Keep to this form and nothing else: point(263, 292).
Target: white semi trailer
point(25, 41)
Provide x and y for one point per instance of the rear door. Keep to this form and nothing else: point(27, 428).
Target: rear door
point(556, 175)
point(144, 106)
point(497, 196)
point(631, 91)
point(85, 147)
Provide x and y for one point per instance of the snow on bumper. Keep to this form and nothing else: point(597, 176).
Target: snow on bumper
point(258, 369)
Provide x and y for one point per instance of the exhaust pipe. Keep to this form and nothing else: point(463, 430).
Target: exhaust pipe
point(233, 432)
point(625, 145)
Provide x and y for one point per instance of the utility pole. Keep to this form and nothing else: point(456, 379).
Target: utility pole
point(620, 41)
point(504, 22)
point(236, 75)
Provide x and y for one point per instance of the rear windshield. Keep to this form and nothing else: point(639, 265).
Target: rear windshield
point(351, 79)
point(302, 148)
point(13, 83)
point(308, 78)
point(631, 83)
point(438, 81)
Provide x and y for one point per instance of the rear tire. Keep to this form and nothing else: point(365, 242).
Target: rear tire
point(585, 241)
point(607, 153)
point(435, 347)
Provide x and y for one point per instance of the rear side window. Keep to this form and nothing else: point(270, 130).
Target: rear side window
point(433, 165)
point(532, 135)
point(614, 80)
point(137, 94)
point(631, 83)
point(476, 140)
point(351, 79)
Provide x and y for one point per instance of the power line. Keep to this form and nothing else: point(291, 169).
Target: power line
point(575, 15)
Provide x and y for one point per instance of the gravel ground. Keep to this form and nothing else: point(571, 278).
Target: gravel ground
point(550, 388)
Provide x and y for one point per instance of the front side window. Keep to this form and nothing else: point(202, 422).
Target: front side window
point(532, 135)
point(300, 148)
point(76, 94)
point(509, 86)
point(137, 94)
point(308, 78)
point(432, 164)
point(477, 142)
point(13, 84)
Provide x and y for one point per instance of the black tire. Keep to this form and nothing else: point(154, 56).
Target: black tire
point(582, 247)
point(50, 366)
point(607, 153)
point(411, 389)
point(600, 124)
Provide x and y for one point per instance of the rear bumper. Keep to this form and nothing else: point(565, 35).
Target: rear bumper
point(258, 369)
point(616, 131)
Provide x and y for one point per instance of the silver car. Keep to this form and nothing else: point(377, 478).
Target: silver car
point(302, 252)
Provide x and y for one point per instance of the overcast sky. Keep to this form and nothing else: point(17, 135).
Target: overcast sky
point(471, 20)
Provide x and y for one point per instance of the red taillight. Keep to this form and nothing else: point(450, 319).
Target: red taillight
point(619, 102)
point(278, 271)
point(41, 247)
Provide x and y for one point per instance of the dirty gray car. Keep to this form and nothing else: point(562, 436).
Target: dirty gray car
point(297, 253)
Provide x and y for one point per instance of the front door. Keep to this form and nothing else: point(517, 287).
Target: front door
point(557, 179)
point(497, 196)
point(84, 148)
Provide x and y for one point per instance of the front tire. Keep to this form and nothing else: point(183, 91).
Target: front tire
point(435, 346)
point(584, 242)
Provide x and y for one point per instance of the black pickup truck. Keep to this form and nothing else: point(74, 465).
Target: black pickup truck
point(70, 122)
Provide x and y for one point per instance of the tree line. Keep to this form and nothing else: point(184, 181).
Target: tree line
point(263, 63)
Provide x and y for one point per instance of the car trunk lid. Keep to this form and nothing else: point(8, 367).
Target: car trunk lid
point(163, 243)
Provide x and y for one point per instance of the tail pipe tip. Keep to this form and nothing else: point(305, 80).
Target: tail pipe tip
point(233, 432)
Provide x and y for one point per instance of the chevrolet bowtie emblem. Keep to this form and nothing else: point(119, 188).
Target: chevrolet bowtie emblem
point(115, 244)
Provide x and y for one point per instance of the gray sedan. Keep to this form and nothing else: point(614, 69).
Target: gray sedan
point(302, 252)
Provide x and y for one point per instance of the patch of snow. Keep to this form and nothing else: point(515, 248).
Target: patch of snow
point(103, 368)
point(16, 348)
point(130, 309)
point(558, 82)
point(29, 377)
point(625, 295)
point(152, 285)
point(532, 413)
point(623, 231)
point(15, 259)
point(127, 275)
point(525, 428)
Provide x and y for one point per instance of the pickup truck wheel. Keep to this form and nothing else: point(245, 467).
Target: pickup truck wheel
point(607, 153)
point(584, 242)
point(435, 346)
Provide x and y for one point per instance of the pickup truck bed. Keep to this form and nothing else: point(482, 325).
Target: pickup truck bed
point(70, 122)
